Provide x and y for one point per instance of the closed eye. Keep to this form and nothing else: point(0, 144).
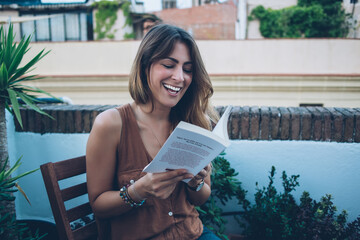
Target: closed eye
point(187, 70)
point(168, 66)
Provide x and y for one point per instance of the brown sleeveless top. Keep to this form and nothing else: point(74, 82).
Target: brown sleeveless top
point(172, 218)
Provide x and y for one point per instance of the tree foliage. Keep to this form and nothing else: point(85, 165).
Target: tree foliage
point(309, 19)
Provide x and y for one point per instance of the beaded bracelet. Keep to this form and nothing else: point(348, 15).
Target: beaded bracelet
point(127, 199)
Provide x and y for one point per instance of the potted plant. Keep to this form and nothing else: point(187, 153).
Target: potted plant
point(13, 73)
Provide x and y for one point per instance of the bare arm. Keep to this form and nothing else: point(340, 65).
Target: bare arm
point(100, 165)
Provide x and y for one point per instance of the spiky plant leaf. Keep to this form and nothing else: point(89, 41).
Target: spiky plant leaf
point(3, 77)
point(13, 72)
point(15, 105)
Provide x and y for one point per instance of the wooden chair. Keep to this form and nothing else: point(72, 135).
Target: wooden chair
point(54, 172)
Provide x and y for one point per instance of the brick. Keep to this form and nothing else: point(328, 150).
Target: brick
point(305, 124)
point(264, 123)
point(31, 120)
point(24, 120)
point(294, 123)
point(93, 116)
point(337, 125)
point(274, 122)
point(357, 126)
point(55, 113)
point(284, 123)
point(86, 121)
point(317, 123)
point(245, 122)
point(326, 123)
point(46, 122)
point(70, 126)
point(61, 123)
point(54, 122)
point(38, 121)
point(348, 121)
point(235, 123)
point(78, 121)
point(254, 123)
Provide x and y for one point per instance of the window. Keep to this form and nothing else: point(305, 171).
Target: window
point(58, 27)
point(168, 4)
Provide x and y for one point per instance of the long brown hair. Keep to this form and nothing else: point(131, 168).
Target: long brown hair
point(158, 43)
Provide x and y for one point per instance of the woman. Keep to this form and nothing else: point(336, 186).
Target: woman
point(169, 84)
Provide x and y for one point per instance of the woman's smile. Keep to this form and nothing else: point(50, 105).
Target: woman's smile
point(172, 89)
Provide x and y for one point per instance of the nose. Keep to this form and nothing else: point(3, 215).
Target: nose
point(178, 74)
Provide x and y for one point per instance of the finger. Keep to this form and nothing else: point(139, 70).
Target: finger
point(208, 168)
point(172, 177)
point(201, 175)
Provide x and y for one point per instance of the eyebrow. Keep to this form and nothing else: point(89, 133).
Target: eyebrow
point(176, 61)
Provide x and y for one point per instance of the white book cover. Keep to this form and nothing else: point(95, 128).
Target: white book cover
point(191, 147)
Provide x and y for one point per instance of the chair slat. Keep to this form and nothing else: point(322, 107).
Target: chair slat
point(56, 202)
point(69, 168)
point(54, 172)
point(79, 211)
point(74, 191)
point(88, 231)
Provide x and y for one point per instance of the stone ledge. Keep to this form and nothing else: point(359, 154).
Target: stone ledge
point(252, 123)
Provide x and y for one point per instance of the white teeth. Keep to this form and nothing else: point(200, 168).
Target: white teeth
point(172, 88)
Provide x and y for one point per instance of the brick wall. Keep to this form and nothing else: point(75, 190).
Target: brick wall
point(208, 21)
point(253, 123)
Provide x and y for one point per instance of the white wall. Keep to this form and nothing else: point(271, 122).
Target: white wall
point(285, 56)
point(324, 167)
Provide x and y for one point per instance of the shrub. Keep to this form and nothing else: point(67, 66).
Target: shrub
point(276, 215)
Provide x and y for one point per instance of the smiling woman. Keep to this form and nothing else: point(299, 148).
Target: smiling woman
point(169, 84)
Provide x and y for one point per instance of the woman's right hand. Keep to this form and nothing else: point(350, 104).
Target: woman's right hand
point(160, 185)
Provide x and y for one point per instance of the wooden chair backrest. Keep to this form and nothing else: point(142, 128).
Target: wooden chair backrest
point(54, 172)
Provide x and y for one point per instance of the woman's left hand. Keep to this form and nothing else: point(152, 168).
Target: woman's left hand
point(200, 176)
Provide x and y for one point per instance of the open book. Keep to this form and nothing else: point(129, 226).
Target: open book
point(191, 147)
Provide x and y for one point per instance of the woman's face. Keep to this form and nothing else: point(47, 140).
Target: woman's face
point(171, 76)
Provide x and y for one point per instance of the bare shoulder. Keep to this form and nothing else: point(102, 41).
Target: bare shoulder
point(107, 123)
point(108, 119)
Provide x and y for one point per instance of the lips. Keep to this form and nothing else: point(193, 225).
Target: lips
point(172, 89)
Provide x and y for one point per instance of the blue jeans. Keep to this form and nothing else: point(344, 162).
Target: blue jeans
point(208, 235)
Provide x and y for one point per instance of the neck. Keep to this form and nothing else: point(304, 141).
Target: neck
point(156, 114)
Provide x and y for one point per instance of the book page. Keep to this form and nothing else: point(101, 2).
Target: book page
point(187, 150)
point(190, 147)
point(221, 127)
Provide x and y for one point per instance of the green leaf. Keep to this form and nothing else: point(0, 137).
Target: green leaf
point(3, 77)
point(13, 168)
point(31, 63)
point(15, 105)
point(24, 174)
point(37, 90)
point(8, 46)
point(25, 78)
point(19, 54)
point(29, 101)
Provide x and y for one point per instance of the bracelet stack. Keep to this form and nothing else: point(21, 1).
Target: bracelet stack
point(124, 194)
